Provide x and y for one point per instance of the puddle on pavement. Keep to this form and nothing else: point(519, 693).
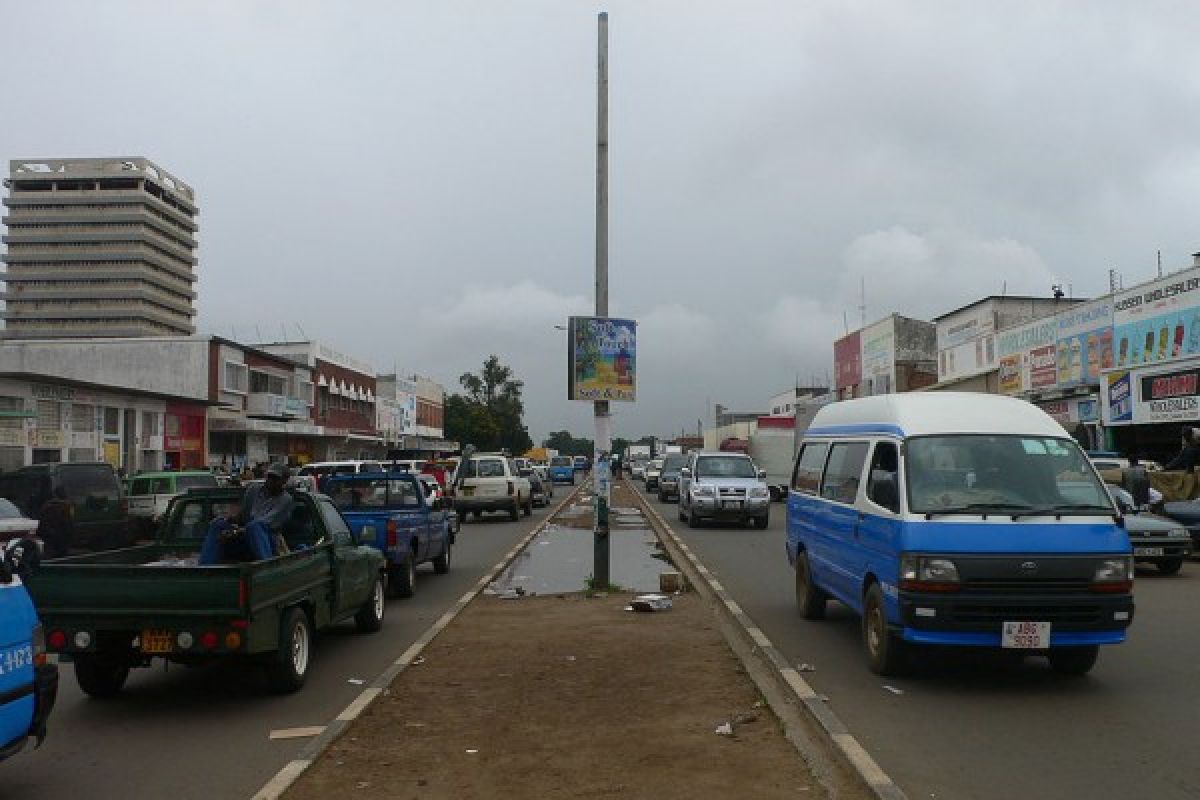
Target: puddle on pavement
point(559, 559)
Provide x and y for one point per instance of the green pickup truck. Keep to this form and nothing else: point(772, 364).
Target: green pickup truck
point(111, 611)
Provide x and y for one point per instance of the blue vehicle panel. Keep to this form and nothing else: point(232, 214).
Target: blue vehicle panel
point(28, 685)
point(401, 524)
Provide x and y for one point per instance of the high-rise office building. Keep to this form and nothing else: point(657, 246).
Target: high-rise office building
point(97, 247)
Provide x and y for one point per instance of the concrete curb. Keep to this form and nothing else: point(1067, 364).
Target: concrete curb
point(291, 771)
point(846, 747)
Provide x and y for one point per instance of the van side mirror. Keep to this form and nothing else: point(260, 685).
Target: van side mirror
point(884, 490)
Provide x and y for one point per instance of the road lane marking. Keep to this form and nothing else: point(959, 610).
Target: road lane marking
point(362, 701)
point(296, 733)
point(282, 780)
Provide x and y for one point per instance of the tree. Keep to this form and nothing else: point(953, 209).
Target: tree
point(568, 445)
point(490, 414)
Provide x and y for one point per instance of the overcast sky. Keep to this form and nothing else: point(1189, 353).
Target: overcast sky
point(413, 183)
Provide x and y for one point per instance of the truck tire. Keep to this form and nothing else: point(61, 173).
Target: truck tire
point(810, 601)
point(441, 564)
point(99, 675)
point(1073, 660)
point(369, 618)
point(1169, 566)
point(514, 513)
point(288, 666)
point(886, 652)
point(403, 578)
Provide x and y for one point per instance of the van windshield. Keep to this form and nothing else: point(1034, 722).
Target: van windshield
point(725, 467)
point(980, 473)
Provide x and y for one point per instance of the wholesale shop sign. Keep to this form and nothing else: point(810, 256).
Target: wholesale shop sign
point(1169, 397)
point(1028, 356)
point(1159, 321)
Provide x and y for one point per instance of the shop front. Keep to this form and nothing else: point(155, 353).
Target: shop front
point(1146, 409)
point(185, 437)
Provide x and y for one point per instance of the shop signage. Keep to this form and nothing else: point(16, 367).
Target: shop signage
point(1089, 410)
point(1169, 397)
point(603, 359)
point(1085, 342)
point(1042, 367)
point(878, 363)
point(1010, 374)
point(1028, 356)
point(12, 437)
point(1118, 397)
point(51, 439)
point(847, 361)
point(45, 391)
point(958, 329)
point(1158, 321)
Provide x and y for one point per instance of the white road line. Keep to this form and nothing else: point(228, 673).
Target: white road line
point(354, 709)
point(282, 780)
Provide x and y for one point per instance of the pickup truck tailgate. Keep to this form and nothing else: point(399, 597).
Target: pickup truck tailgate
point(109, 593)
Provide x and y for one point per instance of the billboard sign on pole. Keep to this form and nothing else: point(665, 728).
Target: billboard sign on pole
point(602, 352)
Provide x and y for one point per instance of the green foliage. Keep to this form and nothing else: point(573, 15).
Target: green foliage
point(490, 413)
point(568, 445)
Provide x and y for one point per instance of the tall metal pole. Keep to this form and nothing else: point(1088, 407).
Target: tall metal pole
point(603, 440)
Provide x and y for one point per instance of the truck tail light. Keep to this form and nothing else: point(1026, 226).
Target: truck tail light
point(57, 640)
point(393, 533)
point(209, 640)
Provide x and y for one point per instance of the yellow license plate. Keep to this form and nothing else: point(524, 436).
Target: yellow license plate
point(157, 641)
point(468, 491)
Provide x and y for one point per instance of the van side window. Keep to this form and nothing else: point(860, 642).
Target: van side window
point(883, 479)
point(844, 471)
point(807, 475)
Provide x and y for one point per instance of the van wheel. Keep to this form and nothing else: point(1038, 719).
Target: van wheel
point(1170, 566)
point(441, 564)
point(810, 601)
point(369, 618)
point(1073, 660)
point(100, 676)
point(289, 664)
point(886, 653)
point(402, 578)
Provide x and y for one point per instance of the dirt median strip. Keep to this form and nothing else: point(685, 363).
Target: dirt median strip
point(563, 696)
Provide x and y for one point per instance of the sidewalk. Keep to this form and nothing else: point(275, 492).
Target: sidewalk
point(565, 696)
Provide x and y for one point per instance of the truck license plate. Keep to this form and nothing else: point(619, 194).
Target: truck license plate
point(468, 491)
point(156, 641)
point(1026, 635)
point(731, 504)
point(1147, 551)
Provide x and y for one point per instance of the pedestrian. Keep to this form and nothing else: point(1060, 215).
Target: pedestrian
point(56, 523)
point(1189, 456)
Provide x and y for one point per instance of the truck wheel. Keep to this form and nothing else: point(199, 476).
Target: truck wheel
point(514, 513)
point(289, 664)
point(886, 653)
point(100, 676)
point(370, 617)
point(441, 564)
point(403, 578)
point(1073, 660)
point(810, 601)
point(1169, 566)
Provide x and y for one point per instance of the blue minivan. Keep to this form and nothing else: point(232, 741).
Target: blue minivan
point(562, 469)
point(28, 685)
point(959, 519)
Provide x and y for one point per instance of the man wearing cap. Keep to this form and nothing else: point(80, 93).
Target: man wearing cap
point(264, 511)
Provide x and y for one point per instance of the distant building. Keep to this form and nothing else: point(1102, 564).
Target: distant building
point(895, 354)
point(98, 247)
point(786, 402)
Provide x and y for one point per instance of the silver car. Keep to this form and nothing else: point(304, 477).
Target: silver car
point(723, 486)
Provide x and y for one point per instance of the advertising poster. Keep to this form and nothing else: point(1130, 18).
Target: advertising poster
point(1010, 374)
point(603, 359)
point(1030, 351)
point(1169, 397)
point(879, 357)
point(1118, 398)
point(1159, 321)
point(1085, 343)
point(847, 361)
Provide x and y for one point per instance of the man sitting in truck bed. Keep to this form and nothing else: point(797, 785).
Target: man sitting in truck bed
point(264, 511)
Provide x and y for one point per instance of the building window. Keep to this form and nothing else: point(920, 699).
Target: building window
point(305, 392)
point(265, 382)
point(49, 414)
point(83, 418)
point(150, 424)
point(235, 377)
point(12, 405)
point(112, 421)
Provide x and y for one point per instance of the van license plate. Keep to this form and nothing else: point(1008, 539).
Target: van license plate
point(731, 504)
point(1026, 635)
point(156, 641)
point(1147, 551)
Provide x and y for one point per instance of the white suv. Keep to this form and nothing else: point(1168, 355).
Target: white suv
point(723, 486)
point(491, 482)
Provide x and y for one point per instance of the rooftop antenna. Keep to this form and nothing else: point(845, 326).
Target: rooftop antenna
point(1112, 281)
point(1160, 263)
point(845, 322)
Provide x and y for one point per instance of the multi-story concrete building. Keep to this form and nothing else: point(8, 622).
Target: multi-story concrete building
point(98, 247)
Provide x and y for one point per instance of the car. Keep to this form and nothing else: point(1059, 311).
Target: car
point(537, 489)
point(543, 474)
point(651, 473)
point(491, 482)
point(637, 469)
point(1156, 539)
point(582, 463)
point(668, 479)
point(101, 514)
point(150, 493)
point(562, 470)
point(723, 486)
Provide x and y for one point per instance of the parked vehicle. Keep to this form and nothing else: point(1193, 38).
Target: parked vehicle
point(110, 612)
point(636, 456)
point(651, 473)
point(723, 486)
point(562, 469)
point(537, 489)
point(958, 519)
point(28, 684)
point(98, 504)
point(1156, 540)
point(392, 512)
point(14, 525)
point(668, 479)
point(150, 493)
point(491, 482)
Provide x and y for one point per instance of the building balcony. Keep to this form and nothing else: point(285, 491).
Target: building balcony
point(275, 406)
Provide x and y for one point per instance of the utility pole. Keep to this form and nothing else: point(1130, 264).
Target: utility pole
point(603, 445)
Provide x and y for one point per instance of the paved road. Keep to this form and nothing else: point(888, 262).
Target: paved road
point(973, 728)
point(202, 733)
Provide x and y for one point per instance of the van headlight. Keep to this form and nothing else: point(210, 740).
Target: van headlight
point(1114, 570)
point(928, 573)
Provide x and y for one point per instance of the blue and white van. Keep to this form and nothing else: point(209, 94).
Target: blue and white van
point(28, 685)
point(948, 518)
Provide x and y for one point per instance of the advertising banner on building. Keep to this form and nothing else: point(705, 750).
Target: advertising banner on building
point(879, 357)
point(1168, 397)
point(1028, 356)
point(1158, 321)
point(1085, 342)
point(1117, 398)
point(968, 359)
point(603, 359)
point(964, 327)
point(847, 361)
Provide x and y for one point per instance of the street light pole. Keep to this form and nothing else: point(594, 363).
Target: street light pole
point(603, 438)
